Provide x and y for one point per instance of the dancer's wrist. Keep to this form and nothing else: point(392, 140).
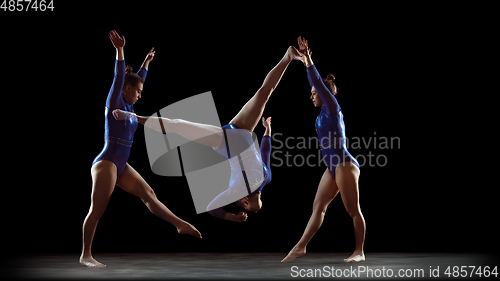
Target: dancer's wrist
point(309, 62)
point(120, 54)
point(145, 64)
point(230, 217)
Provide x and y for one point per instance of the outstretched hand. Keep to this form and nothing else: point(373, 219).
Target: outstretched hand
point(305, 51)
point(118, 42)
point(303, 46)
point(266, 123)
point(150, 55)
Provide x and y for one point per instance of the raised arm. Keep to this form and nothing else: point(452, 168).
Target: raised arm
point(143, 71)
point(148, 59)
point(118, 43)
point(326, 96)
point(116, 88)
point(265, 143)
point(315, 79)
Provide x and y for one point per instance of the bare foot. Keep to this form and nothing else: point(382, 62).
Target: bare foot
point(187, 228)
point(294, 253)
point(357, 256)
point(89, 261)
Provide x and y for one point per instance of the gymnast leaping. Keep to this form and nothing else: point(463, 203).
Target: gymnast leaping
point(233, 141)
point(110, 167)
point(342, 171)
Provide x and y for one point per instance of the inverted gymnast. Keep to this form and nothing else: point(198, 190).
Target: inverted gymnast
point(252, 175)
point(342, 171)
point(233, 141)
point(110, 167)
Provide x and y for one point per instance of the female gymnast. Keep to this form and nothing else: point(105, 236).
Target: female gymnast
point(342, 171)
point(110, 167)
point(253, 165)
point(233, 141)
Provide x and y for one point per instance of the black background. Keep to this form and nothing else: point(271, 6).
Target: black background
point(396, 68)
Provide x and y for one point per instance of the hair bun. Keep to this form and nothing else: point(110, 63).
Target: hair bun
point(329, 81)
point(128, 69)
point(330, 76)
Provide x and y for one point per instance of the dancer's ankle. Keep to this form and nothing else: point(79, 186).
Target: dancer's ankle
point(299, 247)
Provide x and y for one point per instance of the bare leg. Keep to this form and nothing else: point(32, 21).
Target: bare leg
point(208, 135)
point(133, 183)
point(249, 116)
point(327, 190)
point(103, 183)
point(347, 175)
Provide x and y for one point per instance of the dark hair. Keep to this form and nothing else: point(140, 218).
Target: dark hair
point(329, 81)
point(131, 78)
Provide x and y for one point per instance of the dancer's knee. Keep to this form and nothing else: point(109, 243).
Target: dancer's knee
point(96, 213)
point(148, 196)
point(151, 202)
point(352, 210)
point(320, 207)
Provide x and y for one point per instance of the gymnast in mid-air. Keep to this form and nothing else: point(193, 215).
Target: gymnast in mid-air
point(250, 171)
point(342, 172)
point(110, 167)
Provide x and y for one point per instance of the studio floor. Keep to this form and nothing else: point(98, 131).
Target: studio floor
point(254, 266)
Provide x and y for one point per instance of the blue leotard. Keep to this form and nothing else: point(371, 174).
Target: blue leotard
point(118, 135)
point(330, 125)
point(250, 172)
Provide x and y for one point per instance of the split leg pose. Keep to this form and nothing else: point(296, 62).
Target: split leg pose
point(342, 171)
point(246, 121)
point(110, 167)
